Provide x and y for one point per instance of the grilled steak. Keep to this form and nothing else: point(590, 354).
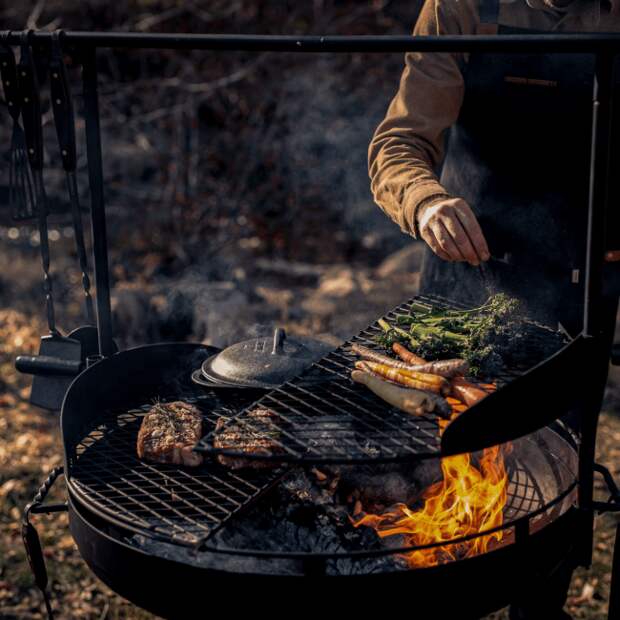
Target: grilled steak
point(255, 434)
point(168, 433)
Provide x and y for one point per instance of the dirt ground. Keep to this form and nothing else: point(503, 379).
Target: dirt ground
point(31, 447)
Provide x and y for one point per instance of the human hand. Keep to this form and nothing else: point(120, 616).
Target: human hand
point(451, 230)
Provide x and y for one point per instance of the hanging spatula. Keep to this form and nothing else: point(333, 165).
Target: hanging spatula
point(21, 192)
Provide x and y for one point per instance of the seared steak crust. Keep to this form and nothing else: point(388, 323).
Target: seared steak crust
point(259, 436)
point(168, 433)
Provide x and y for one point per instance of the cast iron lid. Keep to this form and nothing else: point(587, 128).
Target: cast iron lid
point(265, 362)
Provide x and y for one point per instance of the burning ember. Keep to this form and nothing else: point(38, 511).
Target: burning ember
point(469, 499)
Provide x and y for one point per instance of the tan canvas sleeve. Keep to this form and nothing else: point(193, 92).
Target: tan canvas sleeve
point(408, 145)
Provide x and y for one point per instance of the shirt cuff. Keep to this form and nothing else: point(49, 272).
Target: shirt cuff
point(417, 196)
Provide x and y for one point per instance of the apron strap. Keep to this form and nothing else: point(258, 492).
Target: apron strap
point(489, 16)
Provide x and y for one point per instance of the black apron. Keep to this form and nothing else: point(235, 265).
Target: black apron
point(519, 155)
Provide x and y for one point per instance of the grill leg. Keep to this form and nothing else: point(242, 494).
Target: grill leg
point(546, 598)
point(614, 591)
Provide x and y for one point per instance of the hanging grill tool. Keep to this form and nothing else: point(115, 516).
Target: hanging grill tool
point(21, 193)
point(64, 119)
point(60, 357)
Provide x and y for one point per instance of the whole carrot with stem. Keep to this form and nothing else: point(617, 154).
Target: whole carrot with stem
point(444, 368)
point(408, 378)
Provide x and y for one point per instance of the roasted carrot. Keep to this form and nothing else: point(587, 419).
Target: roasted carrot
point(467, 392)
point(436, 383)
point(488, 387)
point(415, 402)
point(373, 356)
point(443, 368)
point(455, 404)
point(409, 378)
point(406, 355)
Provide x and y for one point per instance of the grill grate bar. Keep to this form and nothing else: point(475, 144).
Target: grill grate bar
point(329, 422)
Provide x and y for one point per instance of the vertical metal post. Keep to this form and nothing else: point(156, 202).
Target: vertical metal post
point(599, 192)
point(95, 178)
point(614, 588)
point(596, 320)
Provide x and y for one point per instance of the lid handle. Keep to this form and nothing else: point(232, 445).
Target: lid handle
point(279, 335)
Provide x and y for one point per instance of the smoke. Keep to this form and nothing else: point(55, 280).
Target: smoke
point(332, 107)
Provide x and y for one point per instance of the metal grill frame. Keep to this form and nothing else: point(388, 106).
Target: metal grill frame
point(330, 409)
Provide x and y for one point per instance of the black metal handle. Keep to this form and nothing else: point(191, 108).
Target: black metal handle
point(47, 365)
point(31, 104)
point(44, 489)
point(279, 336)
point(32, 543)
point(613, 503)
point(614, 586)
point(62, 105)
point(523, 406)
point(34, 554)
point(8, 74)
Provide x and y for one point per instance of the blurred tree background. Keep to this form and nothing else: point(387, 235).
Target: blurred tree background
point(213, 160)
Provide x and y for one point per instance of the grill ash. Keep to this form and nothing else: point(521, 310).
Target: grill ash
point(311, 511)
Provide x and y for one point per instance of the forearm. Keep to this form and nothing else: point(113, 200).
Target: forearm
point(402, 180)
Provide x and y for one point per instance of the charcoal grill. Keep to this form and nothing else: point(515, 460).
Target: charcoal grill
point(170, 525)
point(165, 537)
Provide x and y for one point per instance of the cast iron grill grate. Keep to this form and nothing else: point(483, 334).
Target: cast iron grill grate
point(171, 503)
point(339, 421)
point(187, 506)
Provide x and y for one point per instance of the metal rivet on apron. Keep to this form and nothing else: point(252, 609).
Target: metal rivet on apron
point(575, 276)
point(31, 150)
point(64, 151)
point(26, 99)
point(58, 101)
point(8, 83)
point(23, 73)
point(55, 75)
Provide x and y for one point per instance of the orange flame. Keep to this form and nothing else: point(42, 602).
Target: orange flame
point(469, 499)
